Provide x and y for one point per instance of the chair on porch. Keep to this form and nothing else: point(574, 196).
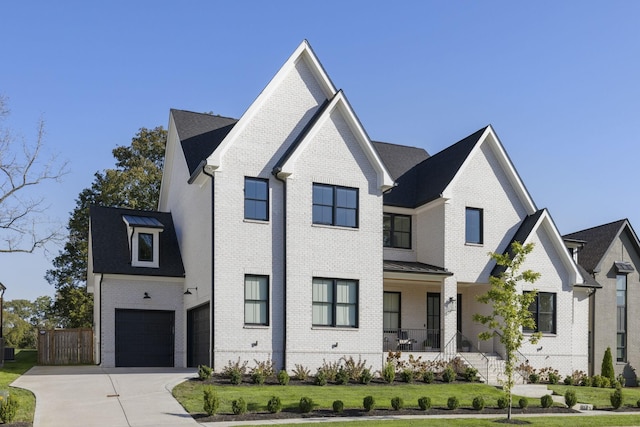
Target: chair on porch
point(404, 342)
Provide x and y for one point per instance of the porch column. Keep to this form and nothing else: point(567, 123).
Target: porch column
point(449, 315)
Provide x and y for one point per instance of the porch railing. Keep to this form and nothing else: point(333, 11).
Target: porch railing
point(462, 347)
point(404, 339)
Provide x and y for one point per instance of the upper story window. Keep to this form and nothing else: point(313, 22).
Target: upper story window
point(396, 231)
point(473, 226)
point(335, 302)
point(334, 205)
point(543, 311)
point(144, 240)
point(621, 317)
point(256, 199)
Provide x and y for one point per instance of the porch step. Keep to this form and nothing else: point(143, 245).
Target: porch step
point(490, 367)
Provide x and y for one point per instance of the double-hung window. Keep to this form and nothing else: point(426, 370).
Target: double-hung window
point(396, 231)
point(334, 205)
point(473, 226)
point(256, 300)
point(543, 311)
point(391, 311)
point(256, 199)
point(335, 303)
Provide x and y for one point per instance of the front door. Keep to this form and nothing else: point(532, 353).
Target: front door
point(433, 320)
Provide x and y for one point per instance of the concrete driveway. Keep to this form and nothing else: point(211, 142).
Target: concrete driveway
point(91, 396)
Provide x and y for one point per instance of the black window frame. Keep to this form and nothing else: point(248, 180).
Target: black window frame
point(480, 239)
point(334, 206)
point(265, 301)
point(391, 241)
point(621, 319)
point(256, 199)
point(534, 308)
point(142, 244)
point(334, 304)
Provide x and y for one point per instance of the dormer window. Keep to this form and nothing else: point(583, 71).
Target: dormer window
point(144, 236)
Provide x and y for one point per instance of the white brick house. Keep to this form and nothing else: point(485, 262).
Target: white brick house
point(302, 240)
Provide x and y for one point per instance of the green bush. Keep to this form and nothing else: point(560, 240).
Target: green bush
point(407, 375)
point(204, 372)
point(239, 406)
point(503, 402)
point(342, 376)
point(534, 378)
point(235, 377)
point(258, 377)
point(546, 401)
point(274, 405)
point(607, 366)
point(338, 406)
point(306, 405)
point(453, 403)
point(321, 378)
point(616, 398)
point(553, 378)
point(428, 377)
point(449, 375)
point(425, 403)
point(369, 403)
point(570, 398)
point(568, 380)
point(8, 409)
point(389, 372)
point(621, 380)
point(596, 381)
point(366, 376)
point(638, 403)
point(397, 403)
point(211, 400)
point(606, 383)
point(478, 403)
point(283, 377)
point(585, 381)
point(523, 403)
point(470, 374)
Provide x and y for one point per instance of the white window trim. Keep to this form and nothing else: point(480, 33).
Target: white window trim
point(133, 241)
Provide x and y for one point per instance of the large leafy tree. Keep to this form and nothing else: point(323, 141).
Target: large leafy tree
point(133, 183)
point(510, 308)
point(23, 319)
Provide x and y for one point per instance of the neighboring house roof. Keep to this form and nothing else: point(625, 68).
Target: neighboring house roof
point(427, 180)
point(110, 246)
point(200, 134)
point(414, 267)
point(598, 241)
point(399, 158)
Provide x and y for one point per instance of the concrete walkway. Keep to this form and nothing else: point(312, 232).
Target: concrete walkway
point(90, 396)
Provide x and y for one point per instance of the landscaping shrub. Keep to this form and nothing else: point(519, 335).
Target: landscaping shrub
point(369, 403)
point(239, 406)
point(389, 372)
point(338, 406)
point(274, 405)
point(607, 366)
point(425, 403)
point(211, 400)
point(355, 369)
point(321, 378)
point(620, 379)
point(453, 403)
point(366, 376)
point(448, 375)
point(616, 398)
point(8, 409)
point(570, 398)
point(235, 371)
point(428, 377)
point(397, 403)
point(204, 372)
point(470, 374)
point(596, 381)
point(306, 405)
point(342, 377)
point(301, 373)
point(258, 377)
point(586, 381)
point(503, 402)
point(534, 378)
point(553, 378)
point(638, 403)
point(283, 377)
point(546, 401)
point(330, 369)
point(407, 375)
point(523, 403)
point(568, 380)
point(478, 403)
point(235, 377)
point(605, 383)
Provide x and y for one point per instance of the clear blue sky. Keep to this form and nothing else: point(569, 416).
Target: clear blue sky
point(559, 81)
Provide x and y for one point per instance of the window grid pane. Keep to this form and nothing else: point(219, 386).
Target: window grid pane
point(334, 302)
point(334, 205)
point(256, 199)
point(256, 300)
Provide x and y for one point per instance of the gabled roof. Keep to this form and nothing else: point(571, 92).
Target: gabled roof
point(399, 158)
point(110, 246)
point(200, 134)
point(598, 241)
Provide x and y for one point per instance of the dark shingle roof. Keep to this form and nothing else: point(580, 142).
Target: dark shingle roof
point(598, 240)
point(427, 180)
point(414, 267)
point(200, 134)
point(398, 159)
point(110, 246)
point(525, 229)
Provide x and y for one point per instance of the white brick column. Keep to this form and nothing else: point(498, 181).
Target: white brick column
point(449, 312)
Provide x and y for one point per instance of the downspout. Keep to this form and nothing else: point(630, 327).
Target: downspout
point(592, 315)
point(213, 257)
point(100, 317)
point(275, 172)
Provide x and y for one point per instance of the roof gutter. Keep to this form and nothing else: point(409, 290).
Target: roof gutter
point(275, 172)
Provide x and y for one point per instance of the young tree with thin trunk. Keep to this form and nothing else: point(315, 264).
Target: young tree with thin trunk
point(510, 308)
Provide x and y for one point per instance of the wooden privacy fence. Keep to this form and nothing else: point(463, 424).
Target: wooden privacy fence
point(65, 346)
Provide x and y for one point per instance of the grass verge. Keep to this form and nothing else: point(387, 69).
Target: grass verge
point(25, 359)
point(599, 397)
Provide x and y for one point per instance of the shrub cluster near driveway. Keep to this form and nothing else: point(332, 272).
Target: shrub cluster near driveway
point(24, 360)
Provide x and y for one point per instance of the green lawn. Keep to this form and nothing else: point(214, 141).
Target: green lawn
point(25, 359)
point(599, 397)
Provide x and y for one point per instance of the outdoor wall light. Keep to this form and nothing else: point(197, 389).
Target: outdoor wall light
point(254, 344)
point(452, 300)
point(334, 345)
point(146, 296)
point(188, 292)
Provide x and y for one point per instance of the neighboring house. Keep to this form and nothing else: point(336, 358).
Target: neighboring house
point(304, 241)
point(610, 255)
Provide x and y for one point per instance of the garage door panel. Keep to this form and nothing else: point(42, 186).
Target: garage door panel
point(144, 338)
